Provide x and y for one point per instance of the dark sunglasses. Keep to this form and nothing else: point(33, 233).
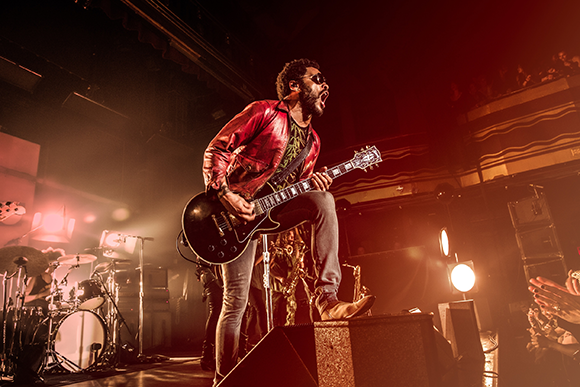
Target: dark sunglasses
point(317, 78)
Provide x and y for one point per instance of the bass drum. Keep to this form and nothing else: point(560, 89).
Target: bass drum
point(80, 339)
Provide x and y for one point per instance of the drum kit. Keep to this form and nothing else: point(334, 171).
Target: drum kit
point(74, 332)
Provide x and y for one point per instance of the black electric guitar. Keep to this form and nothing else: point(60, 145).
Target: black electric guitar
point(218, 237)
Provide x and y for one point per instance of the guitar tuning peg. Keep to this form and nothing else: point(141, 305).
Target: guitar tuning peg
point(364, 169)
point(367, 147)
point(362, 149)
point(372, 167)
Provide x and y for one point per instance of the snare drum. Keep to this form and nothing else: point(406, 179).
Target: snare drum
point(89, 295)
point(80, 338)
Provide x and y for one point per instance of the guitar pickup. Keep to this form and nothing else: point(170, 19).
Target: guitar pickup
point(234, 221)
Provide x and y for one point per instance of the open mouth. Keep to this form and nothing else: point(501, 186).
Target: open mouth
point(323, 98)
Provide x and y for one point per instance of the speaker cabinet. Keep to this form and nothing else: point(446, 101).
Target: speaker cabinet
point(539, 243)
point(551, 268)
point(363, 352)
point(459, 325)
point(530, 212)
point(377, 351)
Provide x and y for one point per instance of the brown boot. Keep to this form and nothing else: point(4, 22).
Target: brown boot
point(342, 310)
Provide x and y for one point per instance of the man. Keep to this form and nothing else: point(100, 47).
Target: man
point(38, 288)
point(258, 146)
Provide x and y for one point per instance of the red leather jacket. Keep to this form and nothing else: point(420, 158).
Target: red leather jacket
point(248, 150)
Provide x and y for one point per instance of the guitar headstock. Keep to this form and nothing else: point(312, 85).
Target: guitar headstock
point(368, 157)
point(7, 209)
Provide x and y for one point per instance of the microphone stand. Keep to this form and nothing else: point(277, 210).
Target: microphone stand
point(141, 291)
point(266, 255)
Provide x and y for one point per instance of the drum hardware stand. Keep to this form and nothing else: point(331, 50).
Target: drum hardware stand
point(8, 354)
point(53, 359)
point(114, 319)
point(4, 312)
point(6, 366)
point(142, 240)
point(267, 288)
point(20, 284)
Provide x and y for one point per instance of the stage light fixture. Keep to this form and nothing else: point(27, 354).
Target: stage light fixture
point(115, 240)
point(462, 276)
point(444, 243)
point(52, 227)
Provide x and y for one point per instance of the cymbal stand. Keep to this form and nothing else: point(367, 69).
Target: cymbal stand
point(6, 366)
point(4, 312)
point(53, 359)
point(19, 297)
point(8, 354)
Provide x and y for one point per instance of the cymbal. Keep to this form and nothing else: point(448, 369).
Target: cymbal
point(36, 262)
point(76, 259)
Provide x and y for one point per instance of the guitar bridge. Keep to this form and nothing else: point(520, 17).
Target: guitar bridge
point(227, 220)
point(215, 221)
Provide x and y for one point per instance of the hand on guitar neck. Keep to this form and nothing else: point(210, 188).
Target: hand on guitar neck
point(321, 180)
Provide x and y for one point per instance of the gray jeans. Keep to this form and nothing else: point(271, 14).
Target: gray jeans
point(316, 207)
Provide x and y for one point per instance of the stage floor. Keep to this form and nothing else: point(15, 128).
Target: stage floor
point(185, 371)
point(173, 372)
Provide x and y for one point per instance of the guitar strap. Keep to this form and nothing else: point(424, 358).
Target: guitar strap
point(283, 174)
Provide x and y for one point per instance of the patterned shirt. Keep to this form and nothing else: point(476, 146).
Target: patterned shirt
point(296, 143)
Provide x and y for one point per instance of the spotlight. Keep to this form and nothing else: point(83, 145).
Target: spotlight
point(115, 240)
point(52, 227)
point(111, 239)
point(444, 245)
point(461, 276)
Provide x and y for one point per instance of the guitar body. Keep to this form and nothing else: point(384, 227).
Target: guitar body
point(214, 234)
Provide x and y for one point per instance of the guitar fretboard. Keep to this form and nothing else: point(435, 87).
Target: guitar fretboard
point(270, 201)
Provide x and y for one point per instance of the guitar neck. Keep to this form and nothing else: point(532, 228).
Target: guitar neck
point(266, 203)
